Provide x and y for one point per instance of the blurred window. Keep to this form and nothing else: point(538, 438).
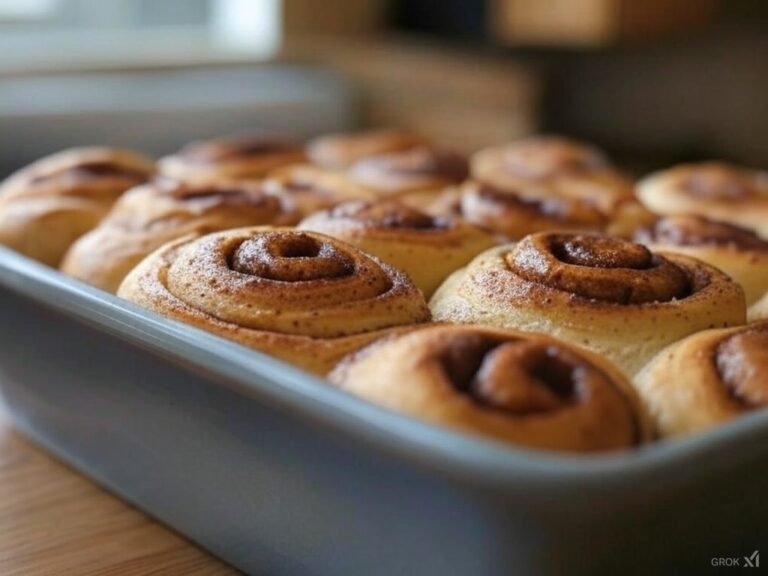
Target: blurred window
point(63, 35)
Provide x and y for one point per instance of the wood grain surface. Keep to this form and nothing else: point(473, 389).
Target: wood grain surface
point(54, 521)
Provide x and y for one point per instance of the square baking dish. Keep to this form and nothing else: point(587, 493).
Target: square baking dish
point(278, 473)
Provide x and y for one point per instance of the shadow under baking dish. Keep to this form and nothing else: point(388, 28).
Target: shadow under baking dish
point(279, 473)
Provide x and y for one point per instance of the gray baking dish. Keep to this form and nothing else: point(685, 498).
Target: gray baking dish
point(277, 473)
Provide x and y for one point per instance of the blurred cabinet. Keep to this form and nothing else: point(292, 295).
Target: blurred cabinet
point(459, 98)
point(334, 16)
point(594, 22)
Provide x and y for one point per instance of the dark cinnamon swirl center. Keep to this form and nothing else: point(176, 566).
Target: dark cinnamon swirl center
point(519, 377)
point(290, 257)
point(601, 252)
point(598, 268)
point(742, 361)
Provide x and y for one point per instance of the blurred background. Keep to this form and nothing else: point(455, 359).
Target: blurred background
point(654, 82)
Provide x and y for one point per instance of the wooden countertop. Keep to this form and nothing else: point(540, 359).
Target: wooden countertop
point(54, 521)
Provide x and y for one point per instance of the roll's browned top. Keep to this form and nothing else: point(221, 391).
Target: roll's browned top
point(546, 160)
point(95, 173)
point(516, 386)
point(337, 151)
point(716, 190)
point(89, 171)
point(707, 379)
point(231, 158)
point(687, 230)
point(723, 182)
point(382, 215)
point(227, 193)
point(238, 148)
point(165, 203)
point(511, 212)
point(279, 280)
point(411, 168)
point(742, 363)
point(546, 156)
point(310, 188)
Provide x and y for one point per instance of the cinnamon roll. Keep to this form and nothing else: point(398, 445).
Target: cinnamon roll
point(231, 158)
point(740, 253)
point(148, 216)
point(414, 177)
point(707, 379)
point(515, 387)
point(339, 151)
point(715, 190)
point(311, 189)
point(563, 166)
point(514, 214)
point(426, 248)
point(300, 296)
point(607, 294)
point(47, 205)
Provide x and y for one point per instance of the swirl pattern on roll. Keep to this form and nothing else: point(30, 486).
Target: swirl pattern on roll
point(340, 151)
point(148, 216)
point(231, 158)
point(707, 379)
point(608, 294)
point(414, 176)
point(425, 247)
point(738, 252)
point(301, 296)
point(514, 214)
point(599, 268)
point(564, 167)
point(716, 190)
point(311, 189)
point(517, 387)
point(47, 205)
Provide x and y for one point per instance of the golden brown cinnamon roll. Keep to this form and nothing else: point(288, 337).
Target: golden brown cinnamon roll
point(231, 158)
point(303, 297)
point(610, 295)
point(53, 201)
point(707, 379)
point(565, 167)
point(521, 388)
point(514, 214)
point(148, 216)
point(339, 151)
point(414, 177)
point(715, 190)
point(738, 252)
point(427, 248)
point(310, 189)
